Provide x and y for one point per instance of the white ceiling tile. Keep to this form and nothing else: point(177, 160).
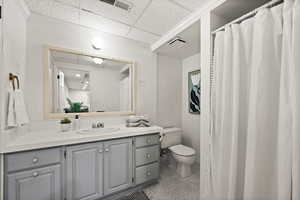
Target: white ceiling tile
point(40, 6)
point(192, 37)
point(161, 16)
point(66, 13)
point(142, 36)
point(114, 13)
point(191, 4)
point(74, 3)
point(103, 24)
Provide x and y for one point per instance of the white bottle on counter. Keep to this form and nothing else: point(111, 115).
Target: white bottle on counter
point(76, 124)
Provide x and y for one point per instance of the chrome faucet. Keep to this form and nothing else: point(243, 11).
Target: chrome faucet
point(98, 125)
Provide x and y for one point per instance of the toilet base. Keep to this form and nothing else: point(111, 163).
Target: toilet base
point(184, 170)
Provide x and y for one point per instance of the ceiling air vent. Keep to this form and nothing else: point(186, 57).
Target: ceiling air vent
point(121, 4)
point(177, 41)
point(111, 2)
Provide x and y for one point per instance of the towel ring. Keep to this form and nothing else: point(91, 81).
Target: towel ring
point(12, 79)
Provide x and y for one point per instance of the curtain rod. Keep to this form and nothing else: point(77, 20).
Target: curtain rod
point(249, 15)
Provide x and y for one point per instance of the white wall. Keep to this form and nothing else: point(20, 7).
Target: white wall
point(14, 49)
point(44, 30)
point(172, 109)
point(190, 122)
point(169, 91)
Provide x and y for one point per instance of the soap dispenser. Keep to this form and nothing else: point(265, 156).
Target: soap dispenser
point(76, 123)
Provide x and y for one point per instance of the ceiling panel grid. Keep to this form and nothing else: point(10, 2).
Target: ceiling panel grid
point(146, 21)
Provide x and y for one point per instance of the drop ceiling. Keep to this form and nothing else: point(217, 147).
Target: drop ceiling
point(147, 20)
point(191, 36)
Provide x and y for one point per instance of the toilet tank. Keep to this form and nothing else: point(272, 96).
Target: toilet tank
point(170, 137)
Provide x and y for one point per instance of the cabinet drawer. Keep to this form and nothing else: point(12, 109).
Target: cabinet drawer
point(147, 173)
point(147, 140)
point(29, 159)
point(147, 155)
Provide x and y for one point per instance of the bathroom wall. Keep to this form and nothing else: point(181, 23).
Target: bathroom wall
point(43, 30)
point(169, 91)
point(14, 49)
point(190, 122)
point(172, 109)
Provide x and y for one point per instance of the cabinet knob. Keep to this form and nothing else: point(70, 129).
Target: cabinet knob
point(100, 150)
point(148, 173)
point(35, 160)
point(107, 150)
point(35, 174)
point(148, 155)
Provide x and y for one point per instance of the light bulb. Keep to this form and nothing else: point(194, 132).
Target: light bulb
point(96, 43)
point(98, 61)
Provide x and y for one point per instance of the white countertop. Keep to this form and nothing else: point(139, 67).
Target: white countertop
point(46, 139)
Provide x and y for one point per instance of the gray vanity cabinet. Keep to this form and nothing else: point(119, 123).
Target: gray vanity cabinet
point(82, 172)
point(41, 183)
point(118, 165)
point(85, 171)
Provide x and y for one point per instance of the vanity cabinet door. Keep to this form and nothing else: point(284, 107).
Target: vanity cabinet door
point(85, 171)
point(41, 183)
point(118, 167)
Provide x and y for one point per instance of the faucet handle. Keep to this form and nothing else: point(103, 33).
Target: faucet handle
point(94, 125)
point(100, 125)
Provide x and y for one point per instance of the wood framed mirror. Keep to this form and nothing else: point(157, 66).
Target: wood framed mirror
point(85, 84)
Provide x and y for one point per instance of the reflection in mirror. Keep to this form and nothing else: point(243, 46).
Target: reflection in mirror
point(82, 83)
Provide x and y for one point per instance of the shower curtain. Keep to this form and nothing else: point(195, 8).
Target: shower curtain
point(289, 109)
point(256, 107)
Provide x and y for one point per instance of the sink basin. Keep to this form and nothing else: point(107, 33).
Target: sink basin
point(96, 131)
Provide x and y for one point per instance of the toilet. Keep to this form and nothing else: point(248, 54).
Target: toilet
point(183, 155)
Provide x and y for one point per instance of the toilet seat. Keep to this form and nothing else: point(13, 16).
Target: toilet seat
point(182, 150)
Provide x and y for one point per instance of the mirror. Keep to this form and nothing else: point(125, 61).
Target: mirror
point(88, 84)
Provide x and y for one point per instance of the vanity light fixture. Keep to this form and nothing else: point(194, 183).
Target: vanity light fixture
point(78, 75)
point(98, 61)
point(96, 43)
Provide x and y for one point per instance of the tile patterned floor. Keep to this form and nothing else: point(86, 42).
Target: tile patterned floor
point(173, 187)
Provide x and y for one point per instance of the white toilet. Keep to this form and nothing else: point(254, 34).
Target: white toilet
point(184, 156)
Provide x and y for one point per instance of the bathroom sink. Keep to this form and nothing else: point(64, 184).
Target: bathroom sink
point(96, 131)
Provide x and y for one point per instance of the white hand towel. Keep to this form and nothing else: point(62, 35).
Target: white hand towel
point(17, 114)
point(20, 108)
point(135, 119)
point(11, 118)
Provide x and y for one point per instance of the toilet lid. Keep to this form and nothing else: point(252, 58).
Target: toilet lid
point(182, 150)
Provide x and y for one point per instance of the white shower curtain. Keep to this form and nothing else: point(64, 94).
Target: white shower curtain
point(289, 120)
point(256, 107)
point(260, 170)
point(231, 103)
